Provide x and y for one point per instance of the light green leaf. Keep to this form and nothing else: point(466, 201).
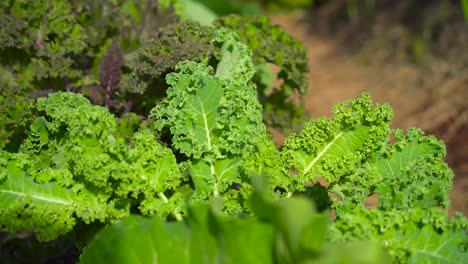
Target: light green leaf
point(25, 205)
point(333, 148)
point(427, 246)
point(412, 172)
point(214, 177)
point(140, 240)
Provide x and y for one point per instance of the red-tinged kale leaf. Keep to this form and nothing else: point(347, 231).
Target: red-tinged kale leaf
point(164, 49)
point(110, 72)
point(11, 31)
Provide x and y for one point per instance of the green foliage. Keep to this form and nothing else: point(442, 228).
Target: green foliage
point(354, 153)
point(146, 71)
point(414, 235)
point(70, 45)
point(203, 114)
point(48, 36)
point(413, 181)
point(223, 8)
point(191, 131)
point(46, 189)
point(123, 169)
point(272, 45)
point(191, 10)
point(331, 148)
point(289, 231)
point(16, 113)
point(59, 45)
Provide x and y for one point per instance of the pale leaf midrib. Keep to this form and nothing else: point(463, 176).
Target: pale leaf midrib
point(205, 122)
point(321, 153)
point(40, 198)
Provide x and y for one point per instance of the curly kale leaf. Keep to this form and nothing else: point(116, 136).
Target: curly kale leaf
point(412, 182)
point(270, 43)
point(413, 235)
point(16, 114)
point(410, 172)
point(60, 45)
point(413, 172)
point(11, 31)
point(170, 45)
point(212, 115)
point(77, 166)
point(146, 70)
point(50, 36)
point(360, 157)
point(332, 148)
point(215, 121)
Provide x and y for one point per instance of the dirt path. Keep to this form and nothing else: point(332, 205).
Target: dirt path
point(336, 76)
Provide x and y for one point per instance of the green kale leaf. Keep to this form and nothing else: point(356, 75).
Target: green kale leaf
point(76, 167)
point(215, 120)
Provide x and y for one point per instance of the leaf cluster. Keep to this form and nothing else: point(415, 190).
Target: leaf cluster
point(46, 189)
point(272, 45)
point(66, 45)
point(287, 231)
point(70, 167)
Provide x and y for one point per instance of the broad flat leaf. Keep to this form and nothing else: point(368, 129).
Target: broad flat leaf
point(243, 240)
point(294, 221)
point(140, 240)
point(195, 11)
point(362, 252)
point(211, 237)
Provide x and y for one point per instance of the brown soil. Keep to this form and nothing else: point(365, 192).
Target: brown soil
point(436, 104)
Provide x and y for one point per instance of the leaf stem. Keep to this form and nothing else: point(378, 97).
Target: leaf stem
point(176, 214)
point(215, 185)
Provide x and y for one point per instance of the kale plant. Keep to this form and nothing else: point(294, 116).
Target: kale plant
point(167, 125)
